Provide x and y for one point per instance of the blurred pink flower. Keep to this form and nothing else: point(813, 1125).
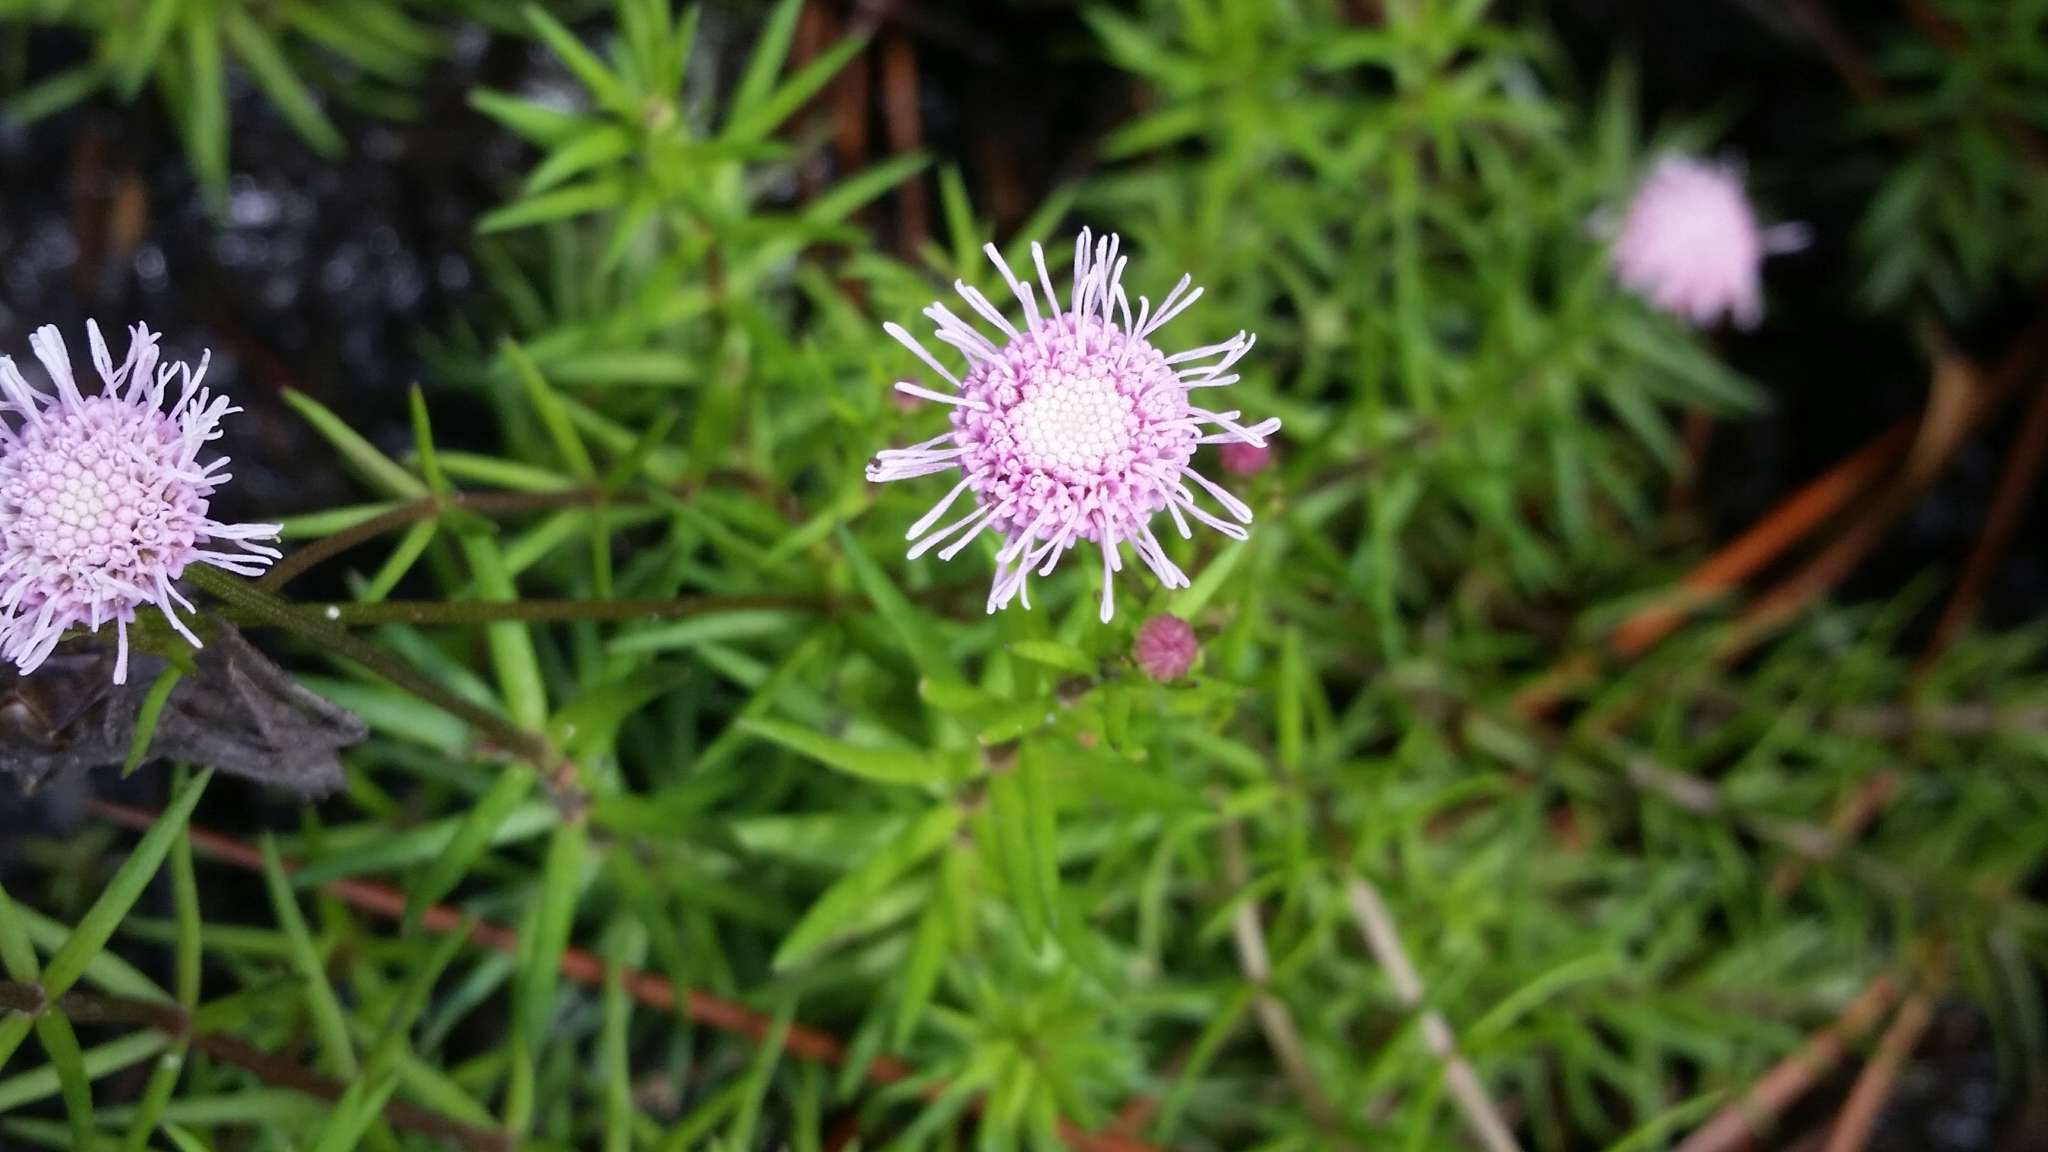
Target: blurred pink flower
point(103, 501)
point(1243, 459)
point(1165, 648)
point(1074, 428)
point(1690, 243)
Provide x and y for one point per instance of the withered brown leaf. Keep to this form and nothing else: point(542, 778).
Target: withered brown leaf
point(237, 712)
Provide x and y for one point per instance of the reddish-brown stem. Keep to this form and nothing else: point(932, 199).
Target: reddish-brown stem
point(1696, 439)
point(1792, 521)
point(583, 967)
point(1856, 812)
point(1859, 1113)
point(175, 1021)
point(1783, 527)
point(2015, 488)
point(905, 124)
point(1848, 61)
point(1840, 557)
point(1734, 1126)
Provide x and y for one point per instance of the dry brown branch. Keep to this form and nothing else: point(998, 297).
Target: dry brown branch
point(1848, 61)
point(2015, 489)
point(175, 1021)
point(1856, 812)
point(1790, 597)
point(1282, 1036)
point(1874, 1085)
point(1383, 940)
point(1734, 1126)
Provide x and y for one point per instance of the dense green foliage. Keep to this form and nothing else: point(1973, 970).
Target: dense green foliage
point(826, 785)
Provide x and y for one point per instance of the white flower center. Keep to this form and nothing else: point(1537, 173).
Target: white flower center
point(77, 497)
point(1080, 421)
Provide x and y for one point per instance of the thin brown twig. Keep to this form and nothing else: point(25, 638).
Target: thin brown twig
point(1874, 1085)
point(905, 123)
point(1978, 719)
point(1383, 939)
point(1776, 533)
point(175, 1021)
point(2015, 488)
point(1281, 1033)
point(1734, 1126)
point(1856, 812)
point(581, 966)
point(1848, 61)
point(1820, 574)
point(430, 612)
point(486, 503)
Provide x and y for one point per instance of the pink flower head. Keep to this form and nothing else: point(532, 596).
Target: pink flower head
point(1691, 245)
point(103, 500)
point(1075, 428)
point(1242, 459)
point(1165, 648)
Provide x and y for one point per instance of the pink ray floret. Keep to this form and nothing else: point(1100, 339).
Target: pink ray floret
point(1690, 243)
point(103, 500)
point(1073, 427)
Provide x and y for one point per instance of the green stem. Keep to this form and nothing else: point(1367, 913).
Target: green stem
point(425, 508)
point(255, 605)
point(472, 612)
point(481, 503)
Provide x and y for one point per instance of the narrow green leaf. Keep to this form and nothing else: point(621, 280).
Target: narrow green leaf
point(399, 563)
point(187, 947)
point(14, 1030)
point(928, 953)
point(146, 717)
point(854, 193)
point(1009, 823)
point(548, 407)
point(510, 641)
point(1041, 827)
point(553, 918)
point(758, 122)
point(740, 1132)
point(580, 60)
point(591, 148)
point(537, 123)
point(423, 441)
point(42, 1083)
point(122, 891)
point(380, 470)
point(858, 889)
point(472, 837)
point(330, 1023)
point(554, 204)
point(17, 953)
point(770, 51)
point(153, 32)
point(206, 113)
point(904, 620)
point(882, 765)
point(274, 74)
point(1054, 654)
point(61, 1043)
point(48, 97)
